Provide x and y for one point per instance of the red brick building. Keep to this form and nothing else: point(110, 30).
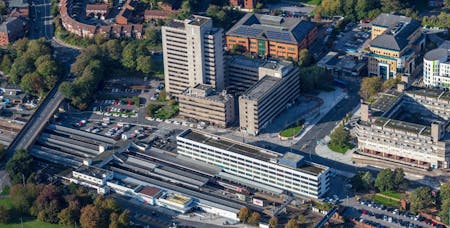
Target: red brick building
point(246, 4)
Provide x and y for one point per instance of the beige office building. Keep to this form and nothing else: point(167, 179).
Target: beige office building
point(265, 100)
point(193, 54)
point(202, 103)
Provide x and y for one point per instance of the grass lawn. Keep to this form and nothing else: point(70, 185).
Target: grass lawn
point(339, 149)
point(310, 2)
point(392, 194)
point(385, 201)
point(293, 129)
point(6, 202)
point(33, 224)
point(162, 110)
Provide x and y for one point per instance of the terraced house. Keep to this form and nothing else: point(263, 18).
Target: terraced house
point(273, 36)
point(395, 43)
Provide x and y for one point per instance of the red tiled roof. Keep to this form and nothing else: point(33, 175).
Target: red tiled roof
point(97, 7)
point(150, 191)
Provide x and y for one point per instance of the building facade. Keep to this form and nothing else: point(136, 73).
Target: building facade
point(395, 43)
point(203, 103)
point(416, 137)
point(193, 54)
point(436, 68)
point(289, 172)
point(274, 36)
point(245, 4)
point(242, 73)
point(266, 99)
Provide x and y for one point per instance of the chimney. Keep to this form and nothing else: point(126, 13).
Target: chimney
point(436, 131)
point(364, 112)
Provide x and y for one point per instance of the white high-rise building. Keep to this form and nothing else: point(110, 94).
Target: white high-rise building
point(436, 68)
point(193, 54)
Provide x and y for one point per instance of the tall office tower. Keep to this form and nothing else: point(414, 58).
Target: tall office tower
point(193, 54)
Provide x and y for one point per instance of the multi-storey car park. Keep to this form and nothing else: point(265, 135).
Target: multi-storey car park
point(407, 126)
point(253, 166)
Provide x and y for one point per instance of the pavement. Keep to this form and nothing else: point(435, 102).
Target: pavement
point(42, 20)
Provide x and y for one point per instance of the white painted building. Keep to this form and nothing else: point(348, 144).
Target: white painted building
point(289, 172)
point(436, 68)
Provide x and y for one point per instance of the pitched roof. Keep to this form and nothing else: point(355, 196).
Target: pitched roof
point(390, 42)
point(281, 29)
point(13, 25)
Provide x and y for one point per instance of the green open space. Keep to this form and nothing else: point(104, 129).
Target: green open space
point(392, 194)
point(385, 201)
point(339, 149)
point(292, 129)
point(162, 110)
point(310, 2)
point(32, 224)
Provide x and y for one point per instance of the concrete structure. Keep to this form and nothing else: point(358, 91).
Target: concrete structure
point(93, 177)
point(274, 36)
point(343, 67)
point(407, 126)
point(148, 194)
point(203, 103)
point(436, 68)
point(395, 42)
point(262, 102)
point(256, 165)
point(242, 73)
point(176, 202)
point(193, 54)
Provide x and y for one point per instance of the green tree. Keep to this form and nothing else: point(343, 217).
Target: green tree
point(32, 83)
point(129, 56)
point(367, 180)
point(22, 197)
point(389, 6)
point(48, 204)
point(153, 35)
point(124, 218)
point(370, 87)
point(6, 63)
point(273, 222)
point(5, 215)
point(421, 198)
point(93, 217)
point(444, 192)
point(292, 223)
point(71, 214)
point(385, 180)
point(21, 66)
point(144, 64)
point(390, 83)
point(399, 179)
point(444, 212)
point(313, 78)
point(340, 136)
point(244, 214)
point(19, 166)
point(304, 59)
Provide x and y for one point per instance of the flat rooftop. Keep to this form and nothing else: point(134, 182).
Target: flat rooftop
point(278, 65)
point(426, 92)
point(261, 88)
point(92, 171)
point(240, 60)
point(149, 191)
point(385, 101)
point(250, 150)
point(404, 126)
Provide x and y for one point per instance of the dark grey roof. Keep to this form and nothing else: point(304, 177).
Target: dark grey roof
point(14, 27)
point(436, 54)
point(286, 30)
point(389, 20)
point(390, 42)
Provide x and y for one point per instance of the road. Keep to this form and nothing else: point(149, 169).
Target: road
point(308, 142)
point(42, 20)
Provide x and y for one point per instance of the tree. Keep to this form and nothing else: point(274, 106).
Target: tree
point(124, 218)
point(144, 64)
point(399, 179)
point(254, 218)
point(421, 198)
point(6, 63)
point(32, 83)
point(71, 214)
point(444, 192)
point(312, 78)
point(129, 56)
point(93, 217)
point(444, 212)
point(5, 215)
point(367, 180)
point(273, 222)
point(370, 87)
point(340, 137)
point(48, 204)
point(22, 197)
point(153, 35)
point(304, 59)
point(292, 223)
point(390, 83)
point(19, 166)
point(301, 219)
point(389, 6)
point(244, 214)
point(384, 181)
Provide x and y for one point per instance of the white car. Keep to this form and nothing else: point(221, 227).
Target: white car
point(176, 123)
point(158, 120)
point(168, 121)
point(185, 124)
